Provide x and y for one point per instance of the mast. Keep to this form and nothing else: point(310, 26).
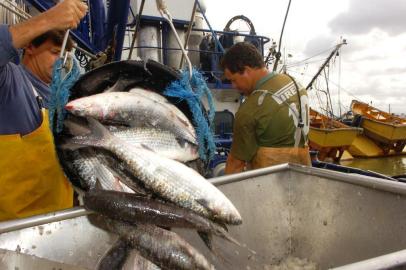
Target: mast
point(338, 46)
point(278, 54)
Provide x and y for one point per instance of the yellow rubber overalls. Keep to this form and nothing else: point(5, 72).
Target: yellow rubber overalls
point(269, 156)
point(31, 179)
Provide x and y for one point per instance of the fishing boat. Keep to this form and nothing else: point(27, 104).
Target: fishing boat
point(336, 220)
point(305, 212)
point(364, 147)
point(330, 137)
point(386, 130)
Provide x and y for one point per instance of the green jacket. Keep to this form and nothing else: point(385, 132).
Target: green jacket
point(269, 117)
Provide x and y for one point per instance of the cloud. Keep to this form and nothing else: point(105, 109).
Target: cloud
point(388, 71)
point(363, 16)
point(365, 58)
point(319, 44)
point(325, 43)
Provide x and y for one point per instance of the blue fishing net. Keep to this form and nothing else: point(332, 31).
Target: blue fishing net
point(192, 90)
point(62, 81)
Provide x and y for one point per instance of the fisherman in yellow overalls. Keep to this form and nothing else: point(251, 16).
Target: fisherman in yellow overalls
point(31, 179)
point(272, 123)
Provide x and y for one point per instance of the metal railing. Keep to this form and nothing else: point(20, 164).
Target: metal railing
point(13, 11)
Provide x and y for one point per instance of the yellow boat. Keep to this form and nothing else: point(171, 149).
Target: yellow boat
point(330, 137)
point(386, 130)
point(364, 147)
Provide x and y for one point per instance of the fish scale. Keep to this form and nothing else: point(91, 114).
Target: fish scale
point(164, 248)
point(134, 109)
point(171, 179)
point(174, 181)
point(92, 167)
point(162, 142)
point(136, 209)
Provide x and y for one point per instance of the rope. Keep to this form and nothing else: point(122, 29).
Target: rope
point(164, 11)
point(60, 92)
point(192, 91)
point(191, 87)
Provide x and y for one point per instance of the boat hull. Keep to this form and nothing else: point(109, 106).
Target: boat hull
point(342, 137)
point(362, 146)
point(330, 137)
point(386, 130)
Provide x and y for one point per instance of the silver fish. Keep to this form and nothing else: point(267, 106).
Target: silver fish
point(149, 94)
point(93, 168)
point(140, 263)
point(116, 257)
point(162, 142)
point(133, 208)
point(120, 171)
point(172, 180)
point(136, 262)
point(134, 109)
point(164, 248)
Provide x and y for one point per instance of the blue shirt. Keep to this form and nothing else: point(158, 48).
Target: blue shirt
point(19, 110)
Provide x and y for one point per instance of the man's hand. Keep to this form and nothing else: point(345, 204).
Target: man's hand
point(66, 15)
point(63, 16)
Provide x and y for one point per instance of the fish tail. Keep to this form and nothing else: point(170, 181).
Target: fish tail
point(99, 137)
point(206, 238)
point(115, 88)
point(115, 257)
point(71, 144)
point(99, 131)
point(75, 128)
point(229, 238)
point(208, 241)
point(221, 230)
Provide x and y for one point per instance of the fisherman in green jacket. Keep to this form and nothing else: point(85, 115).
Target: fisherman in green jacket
point(272, 124)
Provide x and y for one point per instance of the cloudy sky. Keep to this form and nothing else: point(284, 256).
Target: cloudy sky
point(373, 63)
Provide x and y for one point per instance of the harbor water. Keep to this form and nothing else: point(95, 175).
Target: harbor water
point(394, 165)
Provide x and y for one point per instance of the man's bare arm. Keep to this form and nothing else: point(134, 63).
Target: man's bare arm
point(63, 16)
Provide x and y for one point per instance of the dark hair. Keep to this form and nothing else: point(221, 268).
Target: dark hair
point(240, 55)
point(55, 36)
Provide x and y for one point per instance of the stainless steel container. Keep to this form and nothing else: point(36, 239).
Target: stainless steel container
point(330, 218)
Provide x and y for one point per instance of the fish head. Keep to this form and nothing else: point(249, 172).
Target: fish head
point(223, 211)
point(228, 214)
point(84, 107)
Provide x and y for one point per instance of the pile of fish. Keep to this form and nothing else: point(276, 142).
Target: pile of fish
point(128, 151)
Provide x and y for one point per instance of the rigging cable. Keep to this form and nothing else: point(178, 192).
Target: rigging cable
point(317, 92)
point(309, 62)
point(339, 81)
point(329, 102)
point(278, 54)
point(348, 92)
point(304, 60)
